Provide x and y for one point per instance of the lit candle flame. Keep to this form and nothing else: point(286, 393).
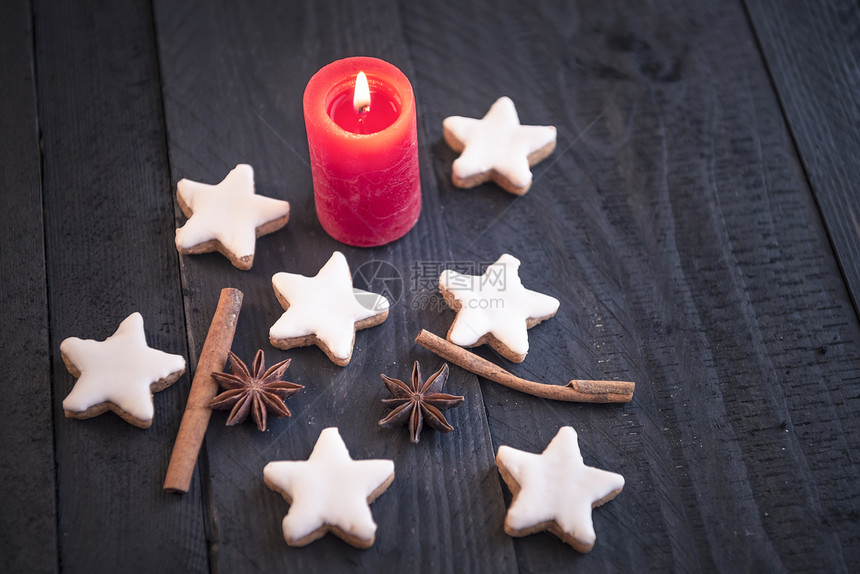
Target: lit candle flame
point(361, 97)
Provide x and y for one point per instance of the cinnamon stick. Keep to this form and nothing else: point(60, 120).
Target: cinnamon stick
point(575, 391)
point(203, 390)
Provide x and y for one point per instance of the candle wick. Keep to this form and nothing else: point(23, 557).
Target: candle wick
point(364, 109)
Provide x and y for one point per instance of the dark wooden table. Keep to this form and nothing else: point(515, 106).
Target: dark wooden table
point(699, 222)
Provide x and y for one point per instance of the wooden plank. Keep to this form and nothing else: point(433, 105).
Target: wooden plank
point(28, 521)
point(109, 234)
point(233, 80)
point(811, 51)
point(677, 229)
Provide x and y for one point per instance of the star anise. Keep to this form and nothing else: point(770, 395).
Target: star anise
point(419, 402)
point(255, 392)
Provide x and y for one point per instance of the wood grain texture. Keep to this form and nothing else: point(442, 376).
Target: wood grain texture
point(233, 78)
point(812, 51)
point(28, 519)
point(675, 225)
point(675, 222)
point(109, 223)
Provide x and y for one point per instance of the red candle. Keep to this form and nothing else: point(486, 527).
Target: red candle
point(364, 156)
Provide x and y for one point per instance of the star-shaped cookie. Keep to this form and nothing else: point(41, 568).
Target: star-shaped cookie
point(497, 147)
point(330, 492)
point(495, 308)
point(118, 374)
point(324, 310)
point(228, 217)
point(555, 491)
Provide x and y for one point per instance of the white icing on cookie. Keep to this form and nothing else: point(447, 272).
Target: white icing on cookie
point(329, 489)
point(556, 486)
point(229, 212)
point(495, 303)
point(119, 370)
point(325, 305)
point(498, 142)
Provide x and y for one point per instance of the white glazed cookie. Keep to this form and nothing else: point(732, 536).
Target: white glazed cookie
point(555, 491)
point(118, 374)
point(324, 310)
point(228, 217)
point(330, 492)
point(497, 147)
point(495, 308)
